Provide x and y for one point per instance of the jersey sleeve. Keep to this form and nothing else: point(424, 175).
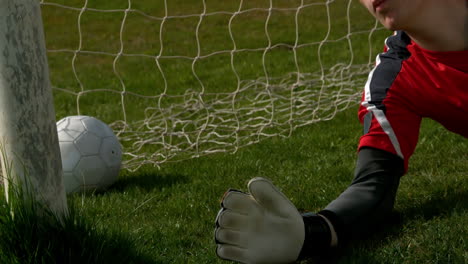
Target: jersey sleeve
point(395, 131)
point(389, 124)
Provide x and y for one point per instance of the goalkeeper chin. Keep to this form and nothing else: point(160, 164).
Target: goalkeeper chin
point(423, 72)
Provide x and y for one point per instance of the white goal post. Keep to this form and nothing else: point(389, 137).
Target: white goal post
point(30, 152)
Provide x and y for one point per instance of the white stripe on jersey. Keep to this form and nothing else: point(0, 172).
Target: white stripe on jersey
point(379, 114)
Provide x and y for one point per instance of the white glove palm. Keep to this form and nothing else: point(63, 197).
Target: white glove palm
point(260, 227)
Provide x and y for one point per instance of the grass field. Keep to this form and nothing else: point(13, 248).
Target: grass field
point(166, 215)
point(171, 211)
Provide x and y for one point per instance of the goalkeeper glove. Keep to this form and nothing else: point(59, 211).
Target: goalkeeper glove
point(260, 227)
point(265, 227)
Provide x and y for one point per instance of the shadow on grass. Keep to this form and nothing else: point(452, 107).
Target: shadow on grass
point(32, 234)
point(438, 205)
point(392, 227)
point(148, 181)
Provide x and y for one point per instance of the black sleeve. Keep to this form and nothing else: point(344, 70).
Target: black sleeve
point(369, 198)
point(360, 208)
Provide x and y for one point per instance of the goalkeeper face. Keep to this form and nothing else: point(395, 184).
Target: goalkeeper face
point(394, 14)
point(408, 15)
point(433, 24)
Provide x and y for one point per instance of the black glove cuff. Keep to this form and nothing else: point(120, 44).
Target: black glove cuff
point(317, 236)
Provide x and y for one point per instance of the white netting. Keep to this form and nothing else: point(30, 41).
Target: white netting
point(183, 78)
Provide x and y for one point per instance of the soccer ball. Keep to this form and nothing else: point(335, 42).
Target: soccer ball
point(91, 154)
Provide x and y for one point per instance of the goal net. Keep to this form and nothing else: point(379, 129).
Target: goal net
point(178, 79)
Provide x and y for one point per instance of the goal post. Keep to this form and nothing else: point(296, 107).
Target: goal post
point(28, 133)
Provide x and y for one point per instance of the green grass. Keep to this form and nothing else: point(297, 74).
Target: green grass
point(171, 211)
point(167, 215)
point(31, 233)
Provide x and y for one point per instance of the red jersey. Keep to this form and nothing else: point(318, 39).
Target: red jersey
point(407, 84)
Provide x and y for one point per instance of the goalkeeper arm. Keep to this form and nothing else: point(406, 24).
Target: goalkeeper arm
point(263, 226)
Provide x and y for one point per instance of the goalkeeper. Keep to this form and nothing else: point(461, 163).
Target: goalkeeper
point(423, 72)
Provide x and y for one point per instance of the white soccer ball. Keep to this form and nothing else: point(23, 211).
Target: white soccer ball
point(91, 153)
